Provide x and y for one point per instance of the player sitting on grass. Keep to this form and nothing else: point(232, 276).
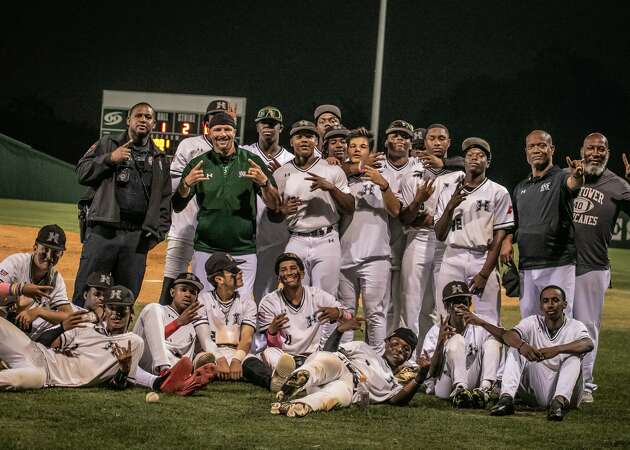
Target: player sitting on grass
point(544, 365)
point(232, 318)
point(342, 375)
point(84, 355)
point(464, 357)
point(172, 332)
point(48, 306)
point(291, 318)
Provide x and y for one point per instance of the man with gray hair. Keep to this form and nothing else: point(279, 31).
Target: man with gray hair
point(595, 212)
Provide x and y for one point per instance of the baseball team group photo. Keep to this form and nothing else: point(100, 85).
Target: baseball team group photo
point(216, 271)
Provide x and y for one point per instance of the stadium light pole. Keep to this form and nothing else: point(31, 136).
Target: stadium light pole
point(378, 70)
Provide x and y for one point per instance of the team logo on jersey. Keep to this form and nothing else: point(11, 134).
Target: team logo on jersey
point(367, 189)
point(582, 205)
point(3, 272)
point(237, 317)
point(546, 186)
point(310, 321)
point(242, 173)
point(483, 204)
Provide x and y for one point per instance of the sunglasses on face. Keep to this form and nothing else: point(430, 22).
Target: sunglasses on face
point(54, 253)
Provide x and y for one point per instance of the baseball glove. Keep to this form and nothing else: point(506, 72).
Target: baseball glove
point(406, 374)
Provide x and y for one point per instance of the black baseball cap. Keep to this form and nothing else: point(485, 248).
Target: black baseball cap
point(303, 125)
point(400, 126)
point(220, 261)
point(99, 280)
point(406, 335)
point(288, 256)
point(455, 289)
point(216, 106)
point(52, 236)
point(188, 278)
point(119, 295)
point(336, 131)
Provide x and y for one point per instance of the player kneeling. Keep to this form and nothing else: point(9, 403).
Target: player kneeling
point(351, 373)
point(292, 319)
point(544, 365)
point(86, 355)
point(171, 335)
point(464, 357)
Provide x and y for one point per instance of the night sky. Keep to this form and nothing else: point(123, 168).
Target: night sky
point(491, 69)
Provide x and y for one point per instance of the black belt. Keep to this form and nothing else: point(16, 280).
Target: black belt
point(315, 233)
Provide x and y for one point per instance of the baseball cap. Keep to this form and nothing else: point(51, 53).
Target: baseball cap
point(418, 134)
point(400, 126)
point(269, 113)
point(188, 278)
point(52, 236)
point(475, 142)
point(221, 118)
point(303, 125)
point(321, 109)
point(288, 257)
point(216, 106)
point(99, 280)
point(336, 131)
point(406, 335)
point(455, 289)
point(220, 261)
point(119, 295)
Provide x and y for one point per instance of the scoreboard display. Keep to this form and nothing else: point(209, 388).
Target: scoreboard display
point(178, 116)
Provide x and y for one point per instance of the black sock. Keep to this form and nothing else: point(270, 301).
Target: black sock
point(165, 296)
point(256, 372)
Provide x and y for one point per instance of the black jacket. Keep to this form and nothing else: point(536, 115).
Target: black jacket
point(96, 170)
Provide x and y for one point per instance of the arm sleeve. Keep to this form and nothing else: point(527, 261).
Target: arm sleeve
point(95, 165)
point(504, 213)
point(49, 336)
point(622, 197)
point(249, 314)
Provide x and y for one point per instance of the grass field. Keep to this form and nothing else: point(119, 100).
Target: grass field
point(236, 415)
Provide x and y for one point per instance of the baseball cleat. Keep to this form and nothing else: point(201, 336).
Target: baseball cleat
point(461, 397)
point(284, 368)
point(504, 407)
point(176, 375)
point(480, 398)
point(203, 358)
point(556, 411)
point(294, 385)
point(587, 397)
point(290, 409)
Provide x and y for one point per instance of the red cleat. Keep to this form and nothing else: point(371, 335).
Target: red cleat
point(198, 380)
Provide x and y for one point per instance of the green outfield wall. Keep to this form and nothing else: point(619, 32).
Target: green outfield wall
point(28, 174)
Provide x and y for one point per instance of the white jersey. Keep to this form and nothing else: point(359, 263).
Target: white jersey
point(487, 208)
point(183, 223)
point(268, 233)
point(380, 381)
point(533, 330)
point(474, 337)
point(397, 236)
point(419, 176)
point(182, 341)
point(16, 268)
point(365, 235)
point(226, 319)
point(85, 357)
point(302, 337)
point(318, 210)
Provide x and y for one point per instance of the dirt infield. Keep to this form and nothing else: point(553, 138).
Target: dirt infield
point(14, 239)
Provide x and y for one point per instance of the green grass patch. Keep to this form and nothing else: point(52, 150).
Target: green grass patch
point(37, 214)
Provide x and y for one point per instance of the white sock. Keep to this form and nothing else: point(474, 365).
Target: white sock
point(144, 378)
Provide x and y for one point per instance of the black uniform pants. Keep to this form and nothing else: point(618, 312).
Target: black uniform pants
point(123, 253)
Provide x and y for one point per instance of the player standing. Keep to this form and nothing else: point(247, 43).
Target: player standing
point(181, 235)
point(543, 212)
point(271, 238)
point(314, 196)
point(365, 240)
point(422, 256)
point(472, 218)
point(595, 212)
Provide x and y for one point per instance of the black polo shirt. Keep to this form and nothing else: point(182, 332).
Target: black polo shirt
point(543, 209)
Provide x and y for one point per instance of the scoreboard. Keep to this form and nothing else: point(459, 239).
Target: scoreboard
point(178, 116)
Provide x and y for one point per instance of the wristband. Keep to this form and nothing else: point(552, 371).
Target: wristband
point(170, 328)
point(265, 184)
point(239, 355)
point(385, 190)
point(5, 289)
